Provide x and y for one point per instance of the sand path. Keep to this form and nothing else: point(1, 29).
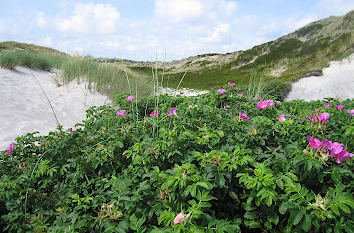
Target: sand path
point(24, 108)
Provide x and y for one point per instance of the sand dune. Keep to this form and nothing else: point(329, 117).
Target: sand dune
point(337, 82)
point(24, 108)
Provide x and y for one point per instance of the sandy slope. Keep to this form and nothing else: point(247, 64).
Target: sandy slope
point(337, 81)
point(24, 108)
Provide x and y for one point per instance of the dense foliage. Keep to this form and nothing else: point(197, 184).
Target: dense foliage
point(184, 164)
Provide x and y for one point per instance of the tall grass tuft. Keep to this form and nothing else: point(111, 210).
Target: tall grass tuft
point(10, 59)
point(104, 78)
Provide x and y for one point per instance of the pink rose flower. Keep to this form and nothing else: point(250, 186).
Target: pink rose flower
point(340, 107)
point(351, 112)
point(323, 117)
point(179, 218)
point(265, 104)
point(232, 84)
point(243, 116)
point(282, 117)
point(328, 105)
point(172, 112)
point(222, 91)
point(10, 148)
point(154, 113)
point(130, 98)
point(122, 113)
point(314, 142)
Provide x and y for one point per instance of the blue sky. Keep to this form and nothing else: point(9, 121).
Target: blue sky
point(166, 29)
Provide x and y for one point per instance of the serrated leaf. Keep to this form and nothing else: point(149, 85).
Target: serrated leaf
point(292, 176)
point(251, 215)
point(269, 201)
point(280, 184)
point(268, 225)
point(283, 207)
point(205, 204)
point(335, 210)
point(344, 208)
point(220, 180)
point(294, 197)
point(203, 184)
point(233, 195)
point(306, 225)
point(274, 219)
point(336, 177)
point(296, 216)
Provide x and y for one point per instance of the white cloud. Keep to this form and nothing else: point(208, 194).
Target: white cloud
point(179, 10)
point(41, 20)
point(293, 24)
point(86, 18)
point(217, 34)
point(191, 10)
point(2, 26)
point(46, 41)
point(335, 7)
point(228, 7)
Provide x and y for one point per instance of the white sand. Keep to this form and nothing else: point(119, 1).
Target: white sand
point(337, 82)
point(24, 108)
point(181, 92)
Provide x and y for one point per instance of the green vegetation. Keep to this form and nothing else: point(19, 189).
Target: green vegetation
point(308, 30)
point(11, 45)
point(216, 171)
point(104, 78)
point(10, 59)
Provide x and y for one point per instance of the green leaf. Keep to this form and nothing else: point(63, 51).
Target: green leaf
point(335, 210)
point(233, 195)
point(268, 225)
point(251, 215)
point(269, 201)
point(205, 204)
point(344, 208)
point(274, 219)
point(285, 206)
point(280, 184)
point(292, 176)
point(295, 197)
point(296, 216)
point(220, 180)
point(306, 225)
point(133, 222)
point(336, 177)
point(204, 185)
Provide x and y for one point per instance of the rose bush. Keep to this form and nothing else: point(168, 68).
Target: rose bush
point(205, 169)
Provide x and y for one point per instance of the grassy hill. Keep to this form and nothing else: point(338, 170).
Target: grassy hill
point(11, 45)
point(288, 58)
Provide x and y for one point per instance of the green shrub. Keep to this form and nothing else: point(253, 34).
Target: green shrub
point(136, 173)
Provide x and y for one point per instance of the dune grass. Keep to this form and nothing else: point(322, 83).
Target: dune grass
point(104, 78)
point(12, 58)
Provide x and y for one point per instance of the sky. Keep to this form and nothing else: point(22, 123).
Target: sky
point(149, 30)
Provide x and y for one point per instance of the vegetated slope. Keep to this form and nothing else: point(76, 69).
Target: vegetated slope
point(11, 45)
point(288, 58)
